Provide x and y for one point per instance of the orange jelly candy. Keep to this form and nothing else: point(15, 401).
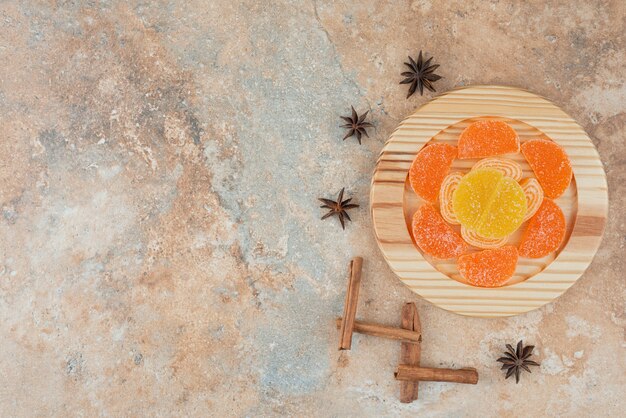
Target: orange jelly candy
point(487, 138)
point(489, 268)
point(545, 231)
point(429, 168)
point(434, 236)
point(550, 164)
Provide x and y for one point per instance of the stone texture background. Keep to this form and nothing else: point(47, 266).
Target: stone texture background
point(161, 251)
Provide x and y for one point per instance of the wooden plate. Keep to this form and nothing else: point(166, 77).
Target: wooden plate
point(537, 281)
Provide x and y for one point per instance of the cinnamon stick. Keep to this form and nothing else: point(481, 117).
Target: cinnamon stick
point(349, 308)
point(416, 373)
point(410, 352)
point(383, 331)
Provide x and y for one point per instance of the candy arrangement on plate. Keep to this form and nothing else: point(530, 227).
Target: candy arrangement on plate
point(471, 216)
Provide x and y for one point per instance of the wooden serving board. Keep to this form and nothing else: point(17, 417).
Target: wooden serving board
point(536, 281)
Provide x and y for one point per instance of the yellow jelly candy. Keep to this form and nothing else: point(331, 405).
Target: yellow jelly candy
point(488, 203)
point(472, 195)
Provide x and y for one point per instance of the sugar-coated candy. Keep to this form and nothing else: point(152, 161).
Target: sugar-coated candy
point(489, 203)
point(545, 231)
point(507, 167)
point(489, 268)
point(449, 185)
point(487, 138)
point(534, 196)
point(434, 236)
point(550, 164)
point(429, 168)
point(475, 240)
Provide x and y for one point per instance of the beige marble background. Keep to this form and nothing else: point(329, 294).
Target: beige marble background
point(161, 252)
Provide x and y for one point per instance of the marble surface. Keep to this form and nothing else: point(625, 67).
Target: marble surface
point(161, 251)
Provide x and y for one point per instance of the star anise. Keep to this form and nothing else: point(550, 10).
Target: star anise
point(421, 75)
point(356, 125)
point(514, 361)
point(338, 208)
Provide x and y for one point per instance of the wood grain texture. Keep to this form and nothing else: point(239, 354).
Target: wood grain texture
point(383, 331)
point(349, 308)
point(536, 281)
point(410, 353)
point(406, 372)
